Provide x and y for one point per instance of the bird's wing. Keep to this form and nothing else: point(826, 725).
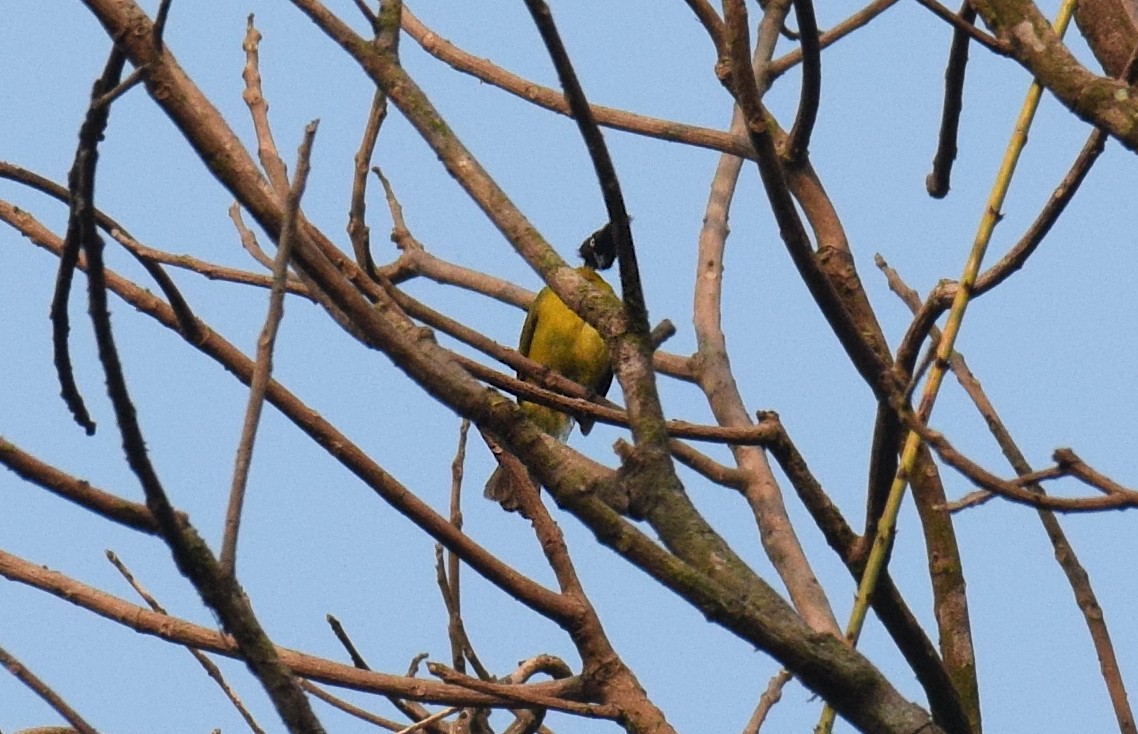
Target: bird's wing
point(601, 388)
point(603, 384)
point(530, 326)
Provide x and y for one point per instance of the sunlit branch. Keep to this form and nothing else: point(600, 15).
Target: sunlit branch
point(554, 100)
point(130, 514)
point(173, 629)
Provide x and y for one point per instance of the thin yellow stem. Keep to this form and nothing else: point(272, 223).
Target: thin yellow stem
point(883, 540)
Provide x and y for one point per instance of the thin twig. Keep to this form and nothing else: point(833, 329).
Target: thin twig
point(349, 646)
point(410, 709)
point(963, 25)
point(348, 708)
point(41, 689)
point(554, 100)
point(119, 233)
point(1113, 495)
point(209, 270)
point(523, 697)
point(578, 401)
point(160, 18)
point(263, 369)
point(435, 717)
point(1017, 256)
point(254, 98)
point(358, 231)
point(454, 618)
point(767, 38)
point(668, 130)
point(771, 696)
point(943, 295)
point(367, 12)
point(457, 467)
point(449, 574)
point(854, 22)
point(552, 545)
point(108, 98)
point(210, 667)
point(249, 239)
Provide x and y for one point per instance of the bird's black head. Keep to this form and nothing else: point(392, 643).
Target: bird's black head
point(599, 249)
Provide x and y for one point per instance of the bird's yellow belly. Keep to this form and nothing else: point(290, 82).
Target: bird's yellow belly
point(571, 346)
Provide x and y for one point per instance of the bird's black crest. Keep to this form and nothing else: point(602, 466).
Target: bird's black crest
point(599, 249)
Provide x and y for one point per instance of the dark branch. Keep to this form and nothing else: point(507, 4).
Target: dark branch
point(937, 182)
point(799, 140)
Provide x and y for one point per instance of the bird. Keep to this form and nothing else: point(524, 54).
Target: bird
point(554, 335)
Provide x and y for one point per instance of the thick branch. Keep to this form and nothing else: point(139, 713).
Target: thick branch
point(1101, 101)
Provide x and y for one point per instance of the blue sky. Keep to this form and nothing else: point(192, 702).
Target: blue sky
point(1053, 347)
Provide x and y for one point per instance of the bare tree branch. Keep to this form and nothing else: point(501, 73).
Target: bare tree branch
point(208, 665)
point(181, 632)
point(264, 365)
point(41, 689)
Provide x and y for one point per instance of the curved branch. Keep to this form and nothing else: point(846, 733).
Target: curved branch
point(803, 126)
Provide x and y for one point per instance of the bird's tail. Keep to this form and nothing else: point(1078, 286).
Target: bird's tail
point(503, 486)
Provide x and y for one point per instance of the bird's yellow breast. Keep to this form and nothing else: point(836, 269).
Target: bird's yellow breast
point(557, 337)
point(564, 342)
